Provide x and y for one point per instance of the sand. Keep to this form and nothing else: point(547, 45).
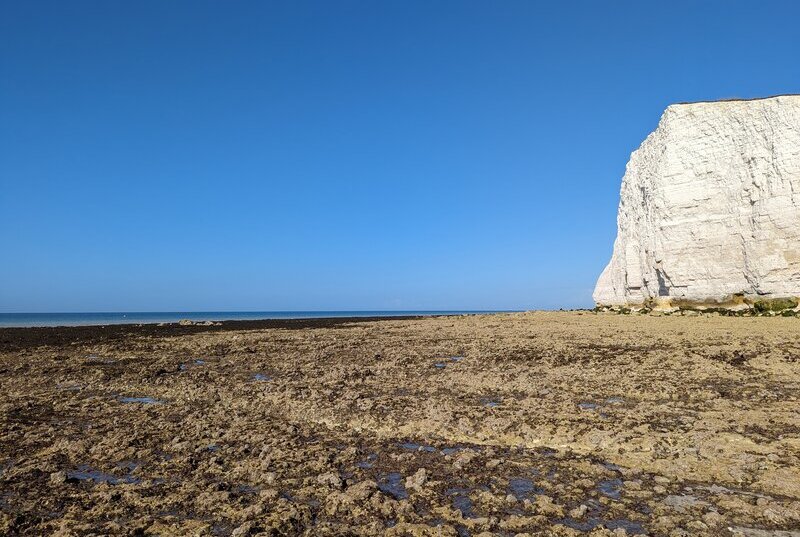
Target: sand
point(543, 423)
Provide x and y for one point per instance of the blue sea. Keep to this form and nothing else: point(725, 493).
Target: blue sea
point(143, 317)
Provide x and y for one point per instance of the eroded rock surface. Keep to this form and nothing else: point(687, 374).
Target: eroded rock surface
point(605, 425)
point(709, 208)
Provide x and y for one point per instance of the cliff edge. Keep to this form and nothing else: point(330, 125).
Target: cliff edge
point(709, 210)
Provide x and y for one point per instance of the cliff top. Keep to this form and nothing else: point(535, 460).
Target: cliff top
point(738, 99)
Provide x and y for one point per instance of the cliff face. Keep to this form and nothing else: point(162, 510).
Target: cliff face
point(709, 209)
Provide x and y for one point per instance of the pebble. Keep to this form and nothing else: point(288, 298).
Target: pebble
point(579, 511)
point(243, 530)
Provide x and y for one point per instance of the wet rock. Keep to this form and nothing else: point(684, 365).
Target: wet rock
point(57, 478)
point(520, 522)
point(682, 503)
point(697, 525)
point(408, 529)
point(739, 531)
point(330, 479)
point(246, 529)
point(579, 512)
point(545, 506)
point(632, 485)
point(464, 458)
point(416, 481)
point(713, 519)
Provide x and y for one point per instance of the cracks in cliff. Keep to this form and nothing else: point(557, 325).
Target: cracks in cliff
point(773, 163)
point(715, 197)
point(752, 225)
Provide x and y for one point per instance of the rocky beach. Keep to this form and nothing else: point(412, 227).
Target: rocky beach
point(402, 269)
point(541, 423)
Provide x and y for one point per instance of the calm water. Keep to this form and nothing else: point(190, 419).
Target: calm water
point(140, 317)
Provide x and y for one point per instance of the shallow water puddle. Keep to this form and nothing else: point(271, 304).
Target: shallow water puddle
point(461, 501)
point(411, 446)
point(261, 377)
point(439, 365)
point(491, 402)
point(463, 531)
point(392, 484)
point(369, 462)
point(128, 465)
point(523, 488)
point(242, 490)
point(456, 358)
point(93, 359)
point(85, 472)
point(142, 400)
point(631, 527)
point(611, 488)
point(185, 366)
point(588, 406)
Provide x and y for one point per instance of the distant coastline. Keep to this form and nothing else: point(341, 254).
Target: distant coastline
point(22, 320)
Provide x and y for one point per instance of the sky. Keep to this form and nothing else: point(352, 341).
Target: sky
point(340, 155)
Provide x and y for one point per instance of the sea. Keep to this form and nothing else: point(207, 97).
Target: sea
point(144, 317)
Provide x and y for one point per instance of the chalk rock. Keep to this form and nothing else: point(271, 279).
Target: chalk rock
point(709, 208)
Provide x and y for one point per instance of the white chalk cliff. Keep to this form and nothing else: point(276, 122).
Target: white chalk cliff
point(709, 208)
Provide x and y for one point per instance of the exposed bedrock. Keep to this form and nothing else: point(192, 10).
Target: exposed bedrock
point(709, 210)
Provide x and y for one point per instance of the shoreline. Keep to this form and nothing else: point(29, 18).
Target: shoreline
point(23, 337)
point(20, 338)
point(77, 319)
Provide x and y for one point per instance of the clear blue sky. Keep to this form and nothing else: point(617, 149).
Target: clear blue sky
point(343, 155)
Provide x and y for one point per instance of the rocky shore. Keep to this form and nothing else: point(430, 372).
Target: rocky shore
point(542, 423)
